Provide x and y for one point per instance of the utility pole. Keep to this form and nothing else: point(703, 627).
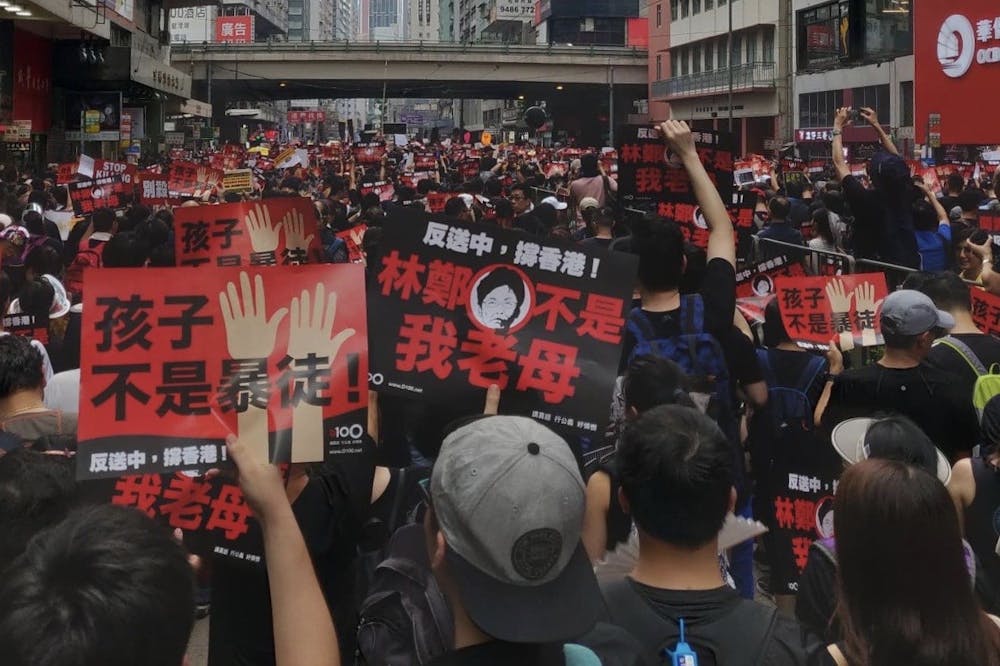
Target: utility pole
point(729, 60)
point(611, 105)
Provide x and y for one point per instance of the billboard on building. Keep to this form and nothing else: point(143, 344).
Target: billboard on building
point(192, 25)
point(514, 10)
point(957, 59)
point(234, 30)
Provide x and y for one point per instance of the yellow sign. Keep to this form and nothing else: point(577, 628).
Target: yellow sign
point(92, 121)
point(239, 180)
point(486, 139)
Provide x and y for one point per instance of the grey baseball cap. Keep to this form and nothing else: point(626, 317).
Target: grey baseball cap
point(910, 312)
point(509, 498)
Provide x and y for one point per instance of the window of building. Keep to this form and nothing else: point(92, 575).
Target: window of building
point(659, 67)
point(722, 53)
point(684, 62)
point(696, 59)
point(708, 5)
point(906, 104)
point(818, 109)
point(709, 56)
point(767, 46)
point(874, 97)
point(659, 15)
point(675, 65)
point(685, 8)
point(891, 34)
point(695, 6)
point(736, 58)
point(824, 35)
point(751, 40)
point(673, 9)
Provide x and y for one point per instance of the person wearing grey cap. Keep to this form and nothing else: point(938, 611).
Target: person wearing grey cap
point(901, 382)
point(503, 528)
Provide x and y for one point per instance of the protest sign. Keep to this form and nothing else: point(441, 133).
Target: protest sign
point(238, 180)
point(385, 190)
point(436, 201)
point(174, 360)
point(26, 326)
point(368, 153)
point(191, 180)
point(990, 223)
point(97, 169)
point(424, 161)
point(274, 231)
point(353, 238)
point(154, 189)
point(649, 172)
point(741, 212)
point(816, 309)
point(759, 280)
point(986, 310)
point(463, 306)
point(803, 487)
point(89, 195)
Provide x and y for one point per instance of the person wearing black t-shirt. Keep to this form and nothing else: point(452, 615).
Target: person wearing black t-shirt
point(967, 352)
point(677, 478)
point(901, 382)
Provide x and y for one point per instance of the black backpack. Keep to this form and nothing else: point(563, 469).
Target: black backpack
point(405, 619)
point(736, 637)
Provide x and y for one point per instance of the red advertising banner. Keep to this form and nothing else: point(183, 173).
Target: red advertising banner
point(176, 359)
point(234, 29)
point(89, 195)
point(299, 116)
point(353, 237)
point(193, 180)
point(818, 309)
point(955, 49)
point(276, 231)
point(986, 310)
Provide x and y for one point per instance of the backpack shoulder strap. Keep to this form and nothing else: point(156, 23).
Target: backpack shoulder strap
point(965, 352)
point(764, 360)
point(627, 608)
point(640, 326)
point(826, 548)
point(692, 314)
point(809, 373)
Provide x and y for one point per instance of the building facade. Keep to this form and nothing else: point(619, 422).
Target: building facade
point(852, 53)
point(424, 20)
point(697, 67)
point(590, 22)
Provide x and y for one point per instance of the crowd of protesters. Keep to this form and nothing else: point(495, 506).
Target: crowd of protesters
point(496, 544)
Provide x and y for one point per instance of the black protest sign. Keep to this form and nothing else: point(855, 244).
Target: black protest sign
point(458, 307)
point(649, 172)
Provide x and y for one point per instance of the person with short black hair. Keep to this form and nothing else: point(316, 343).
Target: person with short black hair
point(603, 220)
point(778, 229)
point(678, 482)
point(901, 382)
point(22, 390)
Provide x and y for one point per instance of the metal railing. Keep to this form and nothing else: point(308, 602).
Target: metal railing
point(745, 77)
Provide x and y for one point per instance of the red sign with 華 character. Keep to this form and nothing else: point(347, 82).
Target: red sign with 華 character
point(193, 180)
point(463, 306)
point(89, 195)
point(955, 48)
point(815, 310)
point(759, 280)
point(267, 233)
point(985, 310)
point(176, 359)
point(649, 172)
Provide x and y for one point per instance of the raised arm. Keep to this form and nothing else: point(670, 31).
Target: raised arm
point(677, 134)
point(840, 121)
point(872, 119)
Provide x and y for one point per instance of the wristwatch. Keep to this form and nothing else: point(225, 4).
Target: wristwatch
point(836, 132)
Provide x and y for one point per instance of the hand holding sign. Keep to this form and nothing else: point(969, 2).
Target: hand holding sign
point(263, 237)
point(261, 482)
point(678, 136)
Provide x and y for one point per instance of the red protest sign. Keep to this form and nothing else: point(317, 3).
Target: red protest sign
point(192, 180)
point(27, 326)
point(353, 237)
point(100, 169)
point(384, 189)
point(436, 201)
point(275, 231)
point(154, 189)
point(986, 310)
point(816, 309)
point(65, 173)
point(424, 161)
point(89, 195)
point(368, 153)
point(759, 280)
point(174, 360)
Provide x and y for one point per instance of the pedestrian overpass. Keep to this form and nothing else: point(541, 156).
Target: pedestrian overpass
point(344, 69)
